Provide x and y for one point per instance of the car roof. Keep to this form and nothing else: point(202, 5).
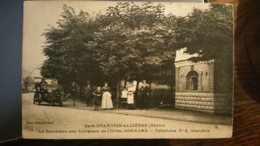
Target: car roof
point(38, 77)
point(45, 78)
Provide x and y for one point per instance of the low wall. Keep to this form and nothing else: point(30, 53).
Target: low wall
point(204, 102)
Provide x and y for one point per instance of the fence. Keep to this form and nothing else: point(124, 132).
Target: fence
point(161, 96)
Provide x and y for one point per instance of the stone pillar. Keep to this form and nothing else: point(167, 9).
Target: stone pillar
point(199, 81)
point(177, 76)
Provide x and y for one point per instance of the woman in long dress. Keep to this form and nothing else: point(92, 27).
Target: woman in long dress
point(130, 96)
point(106, 102)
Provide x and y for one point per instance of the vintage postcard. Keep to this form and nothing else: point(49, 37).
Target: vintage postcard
point(124, 70)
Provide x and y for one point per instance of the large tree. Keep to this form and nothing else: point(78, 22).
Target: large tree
point(68, 57)
point(134, 43)
point(139, 31)
point(209, 34)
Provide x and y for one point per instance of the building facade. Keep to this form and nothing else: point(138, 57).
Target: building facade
point(195, 87)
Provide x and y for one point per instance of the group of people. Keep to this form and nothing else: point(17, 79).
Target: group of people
point(102, 97)
point(142, 101)
point(99, 97)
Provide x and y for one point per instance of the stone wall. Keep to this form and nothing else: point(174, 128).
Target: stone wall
point(195, 101)
point(204, 102)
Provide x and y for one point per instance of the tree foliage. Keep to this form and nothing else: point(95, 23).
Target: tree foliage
point(134, 16)
point(133, 41)
point(68, 57)
point(207, 33)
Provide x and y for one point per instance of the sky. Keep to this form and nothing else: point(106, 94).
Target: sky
point(40, 15)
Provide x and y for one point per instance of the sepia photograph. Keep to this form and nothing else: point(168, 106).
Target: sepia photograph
point(127, 70)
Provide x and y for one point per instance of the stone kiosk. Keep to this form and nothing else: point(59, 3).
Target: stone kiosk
point(196, 86)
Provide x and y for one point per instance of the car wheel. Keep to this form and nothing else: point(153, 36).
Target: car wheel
point(39, 99)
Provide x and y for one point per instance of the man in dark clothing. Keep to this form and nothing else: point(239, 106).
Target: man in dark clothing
point(144, 94)
point(88, 95)
point(39, 87)
point(73, 89)
point(72, 93)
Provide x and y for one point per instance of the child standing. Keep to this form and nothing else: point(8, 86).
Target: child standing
point(97, 96)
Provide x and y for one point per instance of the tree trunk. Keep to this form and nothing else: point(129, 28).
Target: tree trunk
point(125, 83)
point(150, 88)
point(172, 88)
point(118, 91)
point(80, 94)
point(137, 89)
point(150, 100)
point(136, 98)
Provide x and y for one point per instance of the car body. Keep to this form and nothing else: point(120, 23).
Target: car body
point(48, 90)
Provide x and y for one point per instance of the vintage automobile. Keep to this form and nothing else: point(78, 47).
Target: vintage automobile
point(47, 90)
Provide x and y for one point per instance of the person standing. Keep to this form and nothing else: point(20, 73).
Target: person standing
point(39, 87)
point(88, 95)
point(72, 93)
point(130, 96)
point(144, 93)
point(43, 83)
point(124, 97)
point(106, 97)
point(97, 96)
point(42, 86)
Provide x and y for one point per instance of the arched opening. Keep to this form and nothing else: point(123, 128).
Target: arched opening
point(192, 80)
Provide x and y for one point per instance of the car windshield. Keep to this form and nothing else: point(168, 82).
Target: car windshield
point(37, 80)
point(51, 81)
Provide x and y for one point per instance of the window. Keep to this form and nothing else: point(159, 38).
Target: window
point(192, 80)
